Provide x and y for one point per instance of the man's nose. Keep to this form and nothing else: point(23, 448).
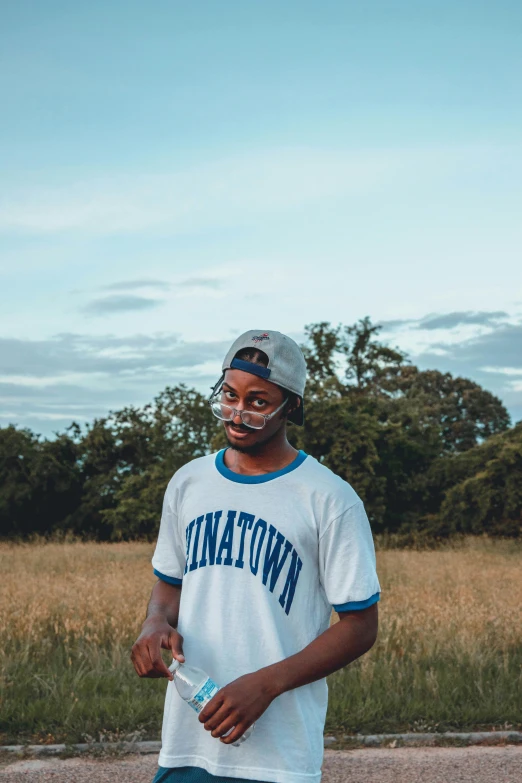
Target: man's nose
point(237, 418)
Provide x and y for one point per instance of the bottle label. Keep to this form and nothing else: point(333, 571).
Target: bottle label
point(203, 696)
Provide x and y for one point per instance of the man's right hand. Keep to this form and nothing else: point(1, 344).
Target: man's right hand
point(156, 634)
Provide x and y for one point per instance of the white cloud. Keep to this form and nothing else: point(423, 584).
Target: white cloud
point(131, 285)
point(226, 192)
point(503, 370)
point(119, 303)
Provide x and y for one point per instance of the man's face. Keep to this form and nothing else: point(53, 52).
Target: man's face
point(245, 391)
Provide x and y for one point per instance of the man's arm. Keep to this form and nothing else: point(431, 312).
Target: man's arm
point(164, 602)
point(339, 645)
point(159, 631)
point(240, 703)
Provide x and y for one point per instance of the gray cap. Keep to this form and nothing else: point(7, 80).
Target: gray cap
point(286, 363)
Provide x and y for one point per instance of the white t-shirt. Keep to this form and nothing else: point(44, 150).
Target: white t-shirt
point(262, 559)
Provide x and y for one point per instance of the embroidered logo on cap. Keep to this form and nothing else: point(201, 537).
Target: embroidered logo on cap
point(260, 337)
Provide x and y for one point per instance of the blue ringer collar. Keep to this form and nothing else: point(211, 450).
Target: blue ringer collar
point(241, 478)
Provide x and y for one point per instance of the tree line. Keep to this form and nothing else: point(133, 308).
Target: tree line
point(430, 454)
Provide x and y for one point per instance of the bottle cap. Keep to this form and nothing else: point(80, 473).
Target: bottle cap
point(174, 665)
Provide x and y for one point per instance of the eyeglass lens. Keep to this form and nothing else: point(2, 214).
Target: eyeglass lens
point(227, 413)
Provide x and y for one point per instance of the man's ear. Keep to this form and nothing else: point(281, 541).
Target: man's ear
point(292, 407)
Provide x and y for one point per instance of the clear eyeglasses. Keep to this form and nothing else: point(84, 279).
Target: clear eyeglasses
point(249, 418)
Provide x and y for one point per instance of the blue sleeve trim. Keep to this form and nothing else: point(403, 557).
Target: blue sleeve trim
point(354, 605)
point(171, 580)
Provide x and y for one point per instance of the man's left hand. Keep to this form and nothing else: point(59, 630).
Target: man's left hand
point(239, 704)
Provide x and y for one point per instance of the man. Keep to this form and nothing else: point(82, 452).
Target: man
point(256, 544)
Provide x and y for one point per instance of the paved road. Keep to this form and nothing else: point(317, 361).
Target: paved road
point(399, 765)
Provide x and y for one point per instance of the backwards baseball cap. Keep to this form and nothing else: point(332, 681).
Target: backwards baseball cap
point(286, 363)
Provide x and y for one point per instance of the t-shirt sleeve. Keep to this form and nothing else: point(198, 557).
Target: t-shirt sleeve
point(168, 561)
point(347, 561)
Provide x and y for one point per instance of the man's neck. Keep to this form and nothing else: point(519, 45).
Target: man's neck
point(267, 458)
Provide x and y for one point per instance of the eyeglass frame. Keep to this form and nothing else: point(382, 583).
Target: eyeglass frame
point(266, 416)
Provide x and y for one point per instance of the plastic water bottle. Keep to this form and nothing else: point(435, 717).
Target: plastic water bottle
point(197, 689)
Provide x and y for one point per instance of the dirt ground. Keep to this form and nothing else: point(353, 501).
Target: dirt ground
point(398, 765)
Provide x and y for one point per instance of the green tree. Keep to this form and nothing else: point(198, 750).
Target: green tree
point(348, 372)
point(350, 358)
point(382, 424)
point(156, 442)
point(425, 450)
point(41, 482)
point(342, 433)
point(18, 455)
point(482, 489)
point(464, 412)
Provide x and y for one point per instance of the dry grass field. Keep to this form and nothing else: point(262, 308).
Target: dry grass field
point(448, 656)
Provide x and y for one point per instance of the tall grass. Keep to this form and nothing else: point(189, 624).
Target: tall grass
point(449, 651)
point(448, 655)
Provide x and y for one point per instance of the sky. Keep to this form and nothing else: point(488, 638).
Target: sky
point(173, 174)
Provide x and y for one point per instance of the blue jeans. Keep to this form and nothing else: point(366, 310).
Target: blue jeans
point(193, 775)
